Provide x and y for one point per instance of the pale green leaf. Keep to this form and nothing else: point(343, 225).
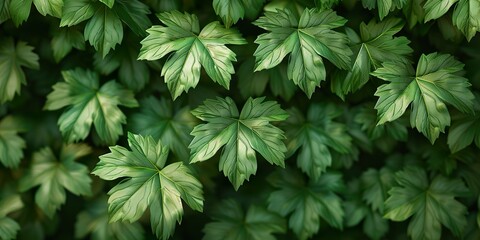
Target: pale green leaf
point(94, 221)
point(104, 30)
point(77, 11)
point(49, 7)
point(436, 82)
point(431, 203)
point(308, 39)
point(55, 174)
point(108, 3)
point(19, 11)
point(11, 145)
point(316, 136)
point(170, 124)
point(232, 223)
point(377, 45)
point(64, 40)
point(8, 228)
point(192, 49)
point(12, 58)
point(148, 183)
point(436, 8)
point(89, 103)
point(466, 17)
point(240, 135)
point(307, 203)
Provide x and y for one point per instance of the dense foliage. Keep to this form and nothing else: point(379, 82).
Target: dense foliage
point(239, 119)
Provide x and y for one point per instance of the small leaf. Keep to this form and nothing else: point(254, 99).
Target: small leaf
point(11, 145)
point(49, 7)
point(77, 11)
point(148, 183)
point(104, 30)
point(232, 223)
point(12, 59)
point(240, 135)
point(19, 11)
point(64, 40)
point(466, 16)
point(108, 3)
point(53, 174)
point(437, 8)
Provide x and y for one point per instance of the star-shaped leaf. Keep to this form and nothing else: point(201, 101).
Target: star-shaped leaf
point(436, 82)
point(241, 134)
point(431, 203)
point(12, 58)
point(89, 103)
point(193, 48)
point(170, 124)
point(232, 223)
point(147, 182)
point(11, 145)
point(309, 39)
point(306, 203)
point(53, 174)
point(375, 45)
point(315, 136)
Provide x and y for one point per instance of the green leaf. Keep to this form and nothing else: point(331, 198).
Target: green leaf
point(232, 223)
point(8, 226)
point(11, 145)
point(19, 11)
point(437, 81)
point(108, 3)
point(193, 48)
point(233, 10)
point(104, 30)
point(383, 6)
point(466, 17)
point(94, 220)
point(241, 134)
point(316, 136)
point(89, 103)
point(49, 7)
point(134, 14)
point(437, 8)
point(147, 182)
point(170, 124)
point(132, 73)
point(375, 184)
point(431, 204)
point(53, 174)
point(414, 12)
point(464, 131)
point(377, 45)
point(308, 39)
point(326, 4)
point(306, 203)
point(12, 59)
point(4, 10)
point(77, 11)
point(64, 40)
point(367, 118)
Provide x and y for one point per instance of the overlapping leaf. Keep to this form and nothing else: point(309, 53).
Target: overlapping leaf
point(8, 226)
point(192, 49)
point(308, 39)
point(431, 203)
point(383, 6)
point(64, 40)
point(11, 145)
point(55, 174)
point(315, 136)
point(94, 221)
point(436, 82)
point(306, 203)
point(89, 103)
point(232, 223)
point(375, 45)
point(233, 10)
point(240, 135)
point(464, 131)
point(147, 182)
point(12, 58)
point(170, 124)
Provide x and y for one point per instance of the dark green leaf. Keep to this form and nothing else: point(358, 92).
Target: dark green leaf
point(241, 134)
point(53, 174)
point(431, 204)
point(147, 182)
point(64, 40)
point(11, 145)
point(232, 223)
point(104, 30)
point(134, 14)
